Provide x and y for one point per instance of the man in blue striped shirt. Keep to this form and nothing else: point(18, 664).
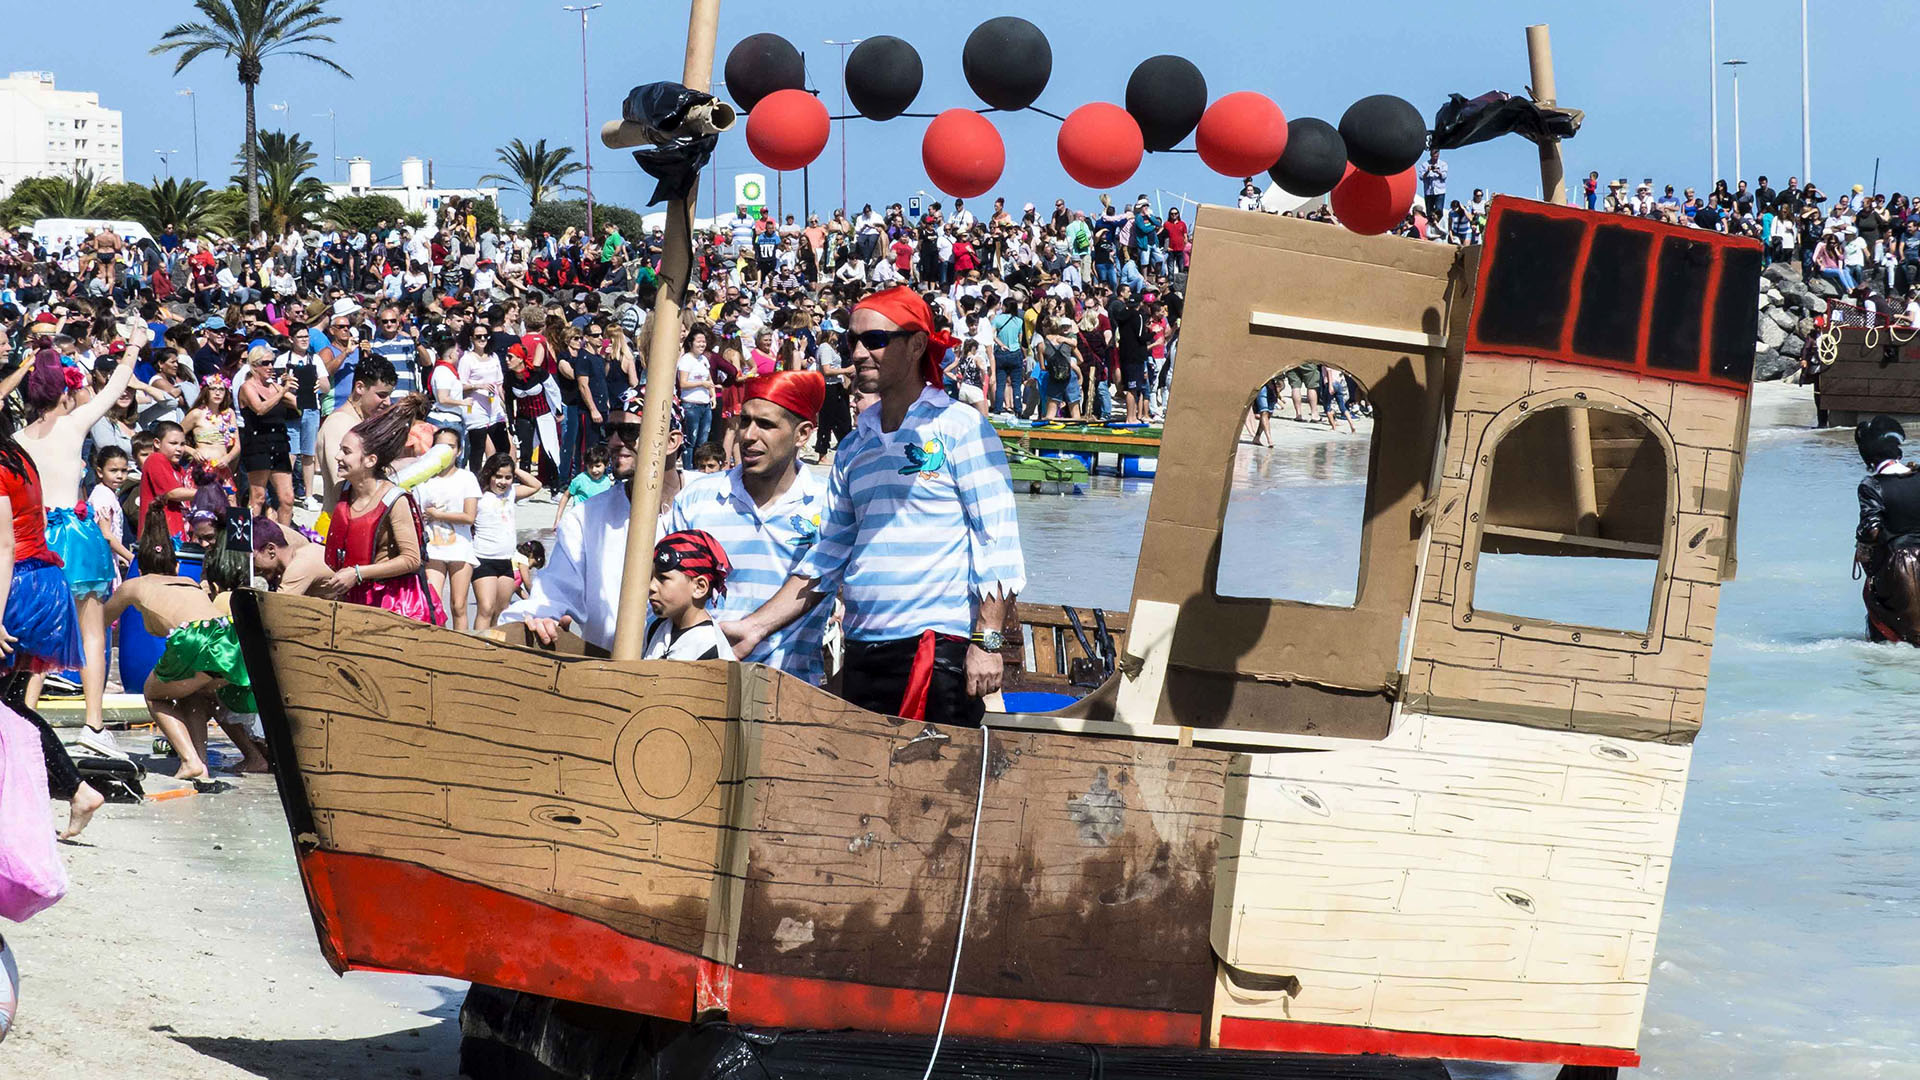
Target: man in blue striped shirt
point(767, 513)
point(920, 540)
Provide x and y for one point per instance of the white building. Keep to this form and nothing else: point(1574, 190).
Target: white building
point(414, 190)
point(49, 132)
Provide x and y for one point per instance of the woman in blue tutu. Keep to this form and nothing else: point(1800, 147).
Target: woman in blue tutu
point(39, 630)
point(54, 437)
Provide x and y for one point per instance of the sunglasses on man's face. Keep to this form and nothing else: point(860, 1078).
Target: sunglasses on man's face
point(628, 433)
point(875, 340)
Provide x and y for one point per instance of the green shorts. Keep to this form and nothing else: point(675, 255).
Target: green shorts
point(209, 647)
point(1305, 377)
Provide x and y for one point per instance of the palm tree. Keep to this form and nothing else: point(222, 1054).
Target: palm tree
point(538, 172)
point(74, 196)
point(249, 31)
point(289, 194)
point(275, 151)
point(190, 206)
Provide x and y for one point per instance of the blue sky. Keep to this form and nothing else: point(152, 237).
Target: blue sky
point(452, 79)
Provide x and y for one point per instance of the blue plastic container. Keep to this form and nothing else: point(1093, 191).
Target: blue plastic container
point(139, 650)
point(1036, 701)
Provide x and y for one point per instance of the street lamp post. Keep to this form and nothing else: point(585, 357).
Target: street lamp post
point(167, 156)
point(843, 46)
point(334, 120)
point(1806, 104)
point(194, 103)
point(586, 115)
point(1713, 90)
point(1736, 65)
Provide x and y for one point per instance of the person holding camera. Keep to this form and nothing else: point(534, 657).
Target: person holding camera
point(270, 405)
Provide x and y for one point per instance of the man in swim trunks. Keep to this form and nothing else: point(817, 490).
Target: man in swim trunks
point(200, 675)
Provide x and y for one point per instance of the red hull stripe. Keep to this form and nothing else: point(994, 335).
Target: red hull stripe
point(1238, 1033)
point(382, 914)
point(386, 915)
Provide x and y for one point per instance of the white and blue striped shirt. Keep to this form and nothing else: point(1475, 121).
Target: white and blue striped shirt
point(766, 546)
point(920, 523)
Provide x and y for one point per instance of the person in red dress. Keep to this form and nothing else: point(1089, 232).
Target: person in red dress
point(374, 537)
point(39, 630)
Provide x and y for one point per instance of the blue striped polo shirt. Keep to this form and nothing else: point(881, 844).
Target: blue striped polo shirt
point(765, 545)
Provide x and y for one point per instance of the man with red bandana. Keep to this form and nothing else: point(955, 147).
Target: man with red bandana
point(766, 512)
point(921, 540)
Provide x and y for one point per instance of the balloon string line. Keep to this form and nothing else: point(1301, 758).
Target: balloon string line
point(929, 116)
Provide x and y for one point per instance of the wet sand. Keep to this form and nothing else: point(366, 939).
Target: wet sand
point(183, 951)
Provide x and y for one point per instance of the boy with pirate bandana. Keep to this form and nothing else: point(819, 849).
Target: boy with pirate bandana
point(689, 569)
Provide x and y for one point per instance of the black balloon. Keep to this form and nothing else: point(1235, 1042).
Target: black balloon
point(761, 64)
point(1314, 161)
point(1166, 95)
point(1007, 62)
point(1384, 134)
point(883, 77)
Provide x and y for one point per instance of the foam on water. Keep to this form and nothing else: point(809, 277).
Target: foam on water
point(1791, 940)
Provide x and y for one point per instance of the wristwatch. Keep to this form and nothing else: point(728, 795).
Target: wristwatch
point(990, 640)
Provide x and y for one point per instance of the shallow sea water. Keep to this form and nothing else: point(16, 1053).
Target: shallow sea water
point(1791, 940)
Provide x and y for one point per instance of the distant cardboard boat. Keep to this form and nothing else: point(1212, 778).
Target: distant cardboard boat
point(1414, 825)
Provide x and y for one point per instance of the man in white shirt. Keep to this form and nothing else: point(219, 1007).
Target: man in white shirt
point(579, 590)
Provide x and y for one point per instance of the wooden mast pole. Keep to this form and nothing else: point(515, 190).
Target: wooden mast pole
point(1553, 188)
point(663, 355)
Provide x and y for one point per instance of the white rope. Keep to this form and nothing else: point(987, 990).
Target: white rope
point(966, 903)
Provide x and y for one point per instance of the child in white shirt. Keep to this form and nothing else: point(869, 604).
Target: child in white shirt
point(103, 504)
point(689, 568)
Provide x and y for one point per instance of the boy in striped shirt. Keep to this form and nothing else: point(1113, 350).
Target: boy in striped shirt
point(920, 539)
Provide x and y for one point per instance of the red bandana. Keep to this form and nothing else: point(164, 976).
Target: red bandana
point(693, 552)
point(906, 310)
point(799, 392)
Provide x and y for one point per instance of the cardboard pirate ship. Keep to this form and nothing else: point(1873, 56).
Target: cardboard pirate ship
point(1411, 825)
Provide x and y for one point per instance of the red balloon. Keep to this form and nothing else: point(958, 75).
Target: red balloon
point(1371, 205)
point(1242, 134)
point(963, 153)
point(1100, 145)
point(787, 129)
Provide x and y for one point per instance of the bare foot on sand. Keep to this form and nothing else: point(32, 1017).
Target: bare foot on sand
point(253, 763)
point(80, 810)
point(192, 772)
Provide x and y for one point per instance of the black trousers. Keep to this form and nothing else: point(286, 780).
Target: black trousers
point(63, 779)
point(875, 677)
point(478, 440)
point(836, 419)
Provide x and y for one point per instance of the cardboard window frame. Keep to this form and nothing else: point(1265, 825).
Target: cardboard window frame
point(1650, 641)
point(1270, 325)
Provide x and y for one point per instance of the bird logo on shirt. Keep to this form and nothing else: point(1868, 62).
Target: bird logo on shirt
point(927, 457)
point(806, 531)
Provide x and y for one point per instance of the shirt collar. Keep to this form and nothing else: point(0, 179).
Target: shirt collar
point(932, 398)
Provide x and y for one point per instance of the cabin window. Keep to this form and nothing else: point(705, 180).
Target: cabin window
point(1298, 495)
point(1548, 557)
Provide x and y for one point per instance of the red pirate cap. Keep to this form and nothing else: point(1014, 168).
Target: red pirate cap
point(694, 553)
point(799, 392)
point(906, 310)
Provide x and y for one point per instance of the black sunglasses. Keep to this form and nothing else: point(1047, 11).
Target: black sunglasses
point(875, 340)
point(629, 433)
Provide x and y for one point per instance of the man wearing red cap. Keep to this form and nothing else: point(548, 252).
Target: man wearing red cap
point(921, 539)
point(767, 512)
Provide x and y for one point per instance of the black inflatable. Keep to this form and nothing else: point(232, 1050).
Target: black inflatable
point(761, 64)
point(1314, 161)
point(883, 77)
point(1007, 62)
point(1166, 95)
point(1384, 134)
